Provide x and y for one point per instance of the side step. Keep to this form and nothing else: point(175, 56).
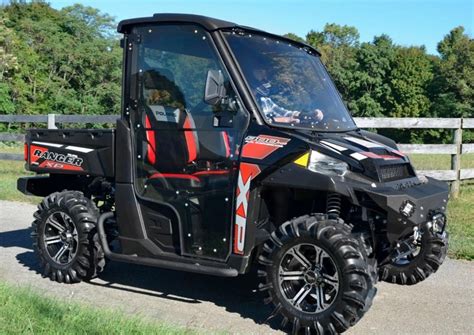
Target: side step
point(161, 263)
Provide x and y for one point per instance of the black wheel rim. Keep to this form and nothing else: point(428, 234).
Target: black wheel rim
point(406, 252)
point(60, 238)
point(308, 278)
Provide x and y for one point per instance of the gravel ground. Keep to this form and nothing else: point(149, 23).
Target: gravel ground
point(442, 304)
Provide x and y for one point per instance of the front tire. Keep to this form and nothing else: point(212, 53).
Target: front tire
point(316, 275)
point(65, 237)
point(426, 260)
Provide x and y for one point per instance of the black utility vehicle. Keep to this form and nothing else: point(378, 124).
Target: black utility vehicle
point(234, 148)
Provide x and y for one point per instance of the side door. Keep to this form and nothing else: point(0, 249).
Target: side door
point(186, 150)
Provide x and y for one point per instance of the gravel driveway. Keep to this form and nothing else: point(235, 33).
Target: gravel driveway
point(443, 304)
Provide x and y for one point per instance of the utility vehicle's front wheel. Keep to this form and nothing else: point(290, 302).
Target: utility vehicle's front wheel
point(316, 275)
point(421, 258)
point(65, 238)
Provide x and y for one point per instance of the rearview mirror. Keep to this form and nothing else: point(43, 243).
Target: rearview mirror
point(215, 89)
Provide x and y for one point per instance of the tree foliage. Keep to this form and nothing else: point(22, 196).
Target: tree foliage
point(64, 62)
point(380, 78)
point(68, 61)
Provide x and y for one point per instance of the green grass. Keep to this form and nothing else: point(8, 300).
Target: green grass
point(460, 211)
point(461, 223)
point(23, 311)
point(9, 173)
point(440, 162)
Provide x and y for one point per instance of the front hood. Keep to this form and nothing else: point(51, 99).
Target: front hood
point(374, 159)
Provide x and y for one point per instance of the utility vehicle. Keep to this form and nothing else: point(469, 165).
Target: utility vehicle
point(234, 148)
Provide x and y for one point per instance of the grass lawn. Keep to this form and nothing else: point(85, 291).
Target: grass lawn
point(440, 162)
point(460, 211)
point(22, 311)
point(9, 173)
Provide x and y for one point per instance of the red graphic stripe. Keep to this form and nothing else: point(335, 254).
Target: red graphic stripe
point(150, 137)
point(246, 174)
point(225, 137)
point(376, 156)
point(47, 164)
point(174, 175)
point(257, 150)
point(205, 173)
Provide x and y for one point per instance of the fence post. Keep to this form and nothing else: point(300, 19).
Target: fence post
point(456, 161)
point(52, 121)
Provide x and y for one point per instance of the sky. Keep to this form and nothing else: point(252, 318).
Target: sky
point(407, 22)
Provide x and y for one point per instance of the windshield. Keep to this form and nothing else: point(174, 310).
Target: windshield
point(290, 84)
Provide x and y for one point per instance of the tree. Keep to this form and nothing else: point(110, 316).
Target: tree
point(8, 64)
point(337, 45)
point(68, 60)
point(453, 86)
point(294, 37)
point(369, 87)
point(410, 76)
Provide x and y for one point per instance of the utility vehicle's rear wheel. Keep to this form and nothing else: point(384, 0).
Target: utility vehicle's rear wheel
point(422, 258)
point(65, 238)
point(316, 275)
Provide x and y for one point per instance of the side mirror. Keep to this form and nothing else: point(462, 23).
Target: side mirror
point(215, 89)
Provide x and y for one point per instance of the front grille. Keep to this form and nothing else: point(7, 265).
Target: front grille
point(394, 172)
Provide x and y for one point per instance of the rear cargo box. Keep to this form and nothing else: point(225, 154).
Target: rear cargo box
point(81, 151)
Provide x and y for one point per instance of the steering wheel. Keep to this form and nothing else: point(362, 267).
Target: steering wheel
point(309, 117)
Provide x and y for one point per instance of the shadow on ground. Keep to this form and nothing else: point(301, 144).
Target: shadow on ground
point(236, 295)
point(16, 238)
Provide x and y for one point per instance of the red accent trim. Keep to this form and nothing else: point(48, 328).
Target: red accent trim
point(399, 153)
point(249, 171)
point(240, 211)
point(246, 174)
point(236, 234)
point(204, 173)
point(47, 164)
point(376, 156)
point(225, 137)
point(190, 140)
point(34, 148)
point(25, 152)
point(257, 151)
point(150, 137)
point(174, 175)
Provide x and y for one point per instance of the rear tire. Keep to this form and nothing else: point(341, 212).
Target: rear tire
point(433, 250)
point(327, 290)
point(65, 237)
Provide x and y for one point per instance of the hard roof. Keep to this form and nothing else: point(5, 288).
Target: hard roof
point(208, 23)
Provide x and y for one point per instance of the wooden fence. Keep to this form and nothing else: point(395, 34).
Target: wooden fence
point(456, 149)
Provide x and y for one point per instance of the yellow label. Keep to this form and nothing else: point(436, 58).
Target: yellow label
point(303, 160)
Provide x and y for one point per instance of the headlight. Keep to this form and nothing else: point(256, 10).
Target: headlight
point(327, 165)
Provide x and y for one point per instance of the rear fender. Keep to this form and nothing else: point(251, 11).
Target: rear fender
point(45, 185)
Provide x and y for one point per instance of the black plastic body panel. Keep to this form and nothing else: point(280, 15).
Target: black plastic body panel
point(123, 155)
point(75, 151)
point(427, 199)
point(47, 184)
point(206, 22)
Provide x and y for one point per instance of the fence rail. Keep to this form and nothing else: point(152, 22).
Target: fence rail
point(455, 174)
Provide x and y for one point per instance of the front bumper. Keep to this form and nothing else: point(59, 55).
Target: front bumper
point(410, 207)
